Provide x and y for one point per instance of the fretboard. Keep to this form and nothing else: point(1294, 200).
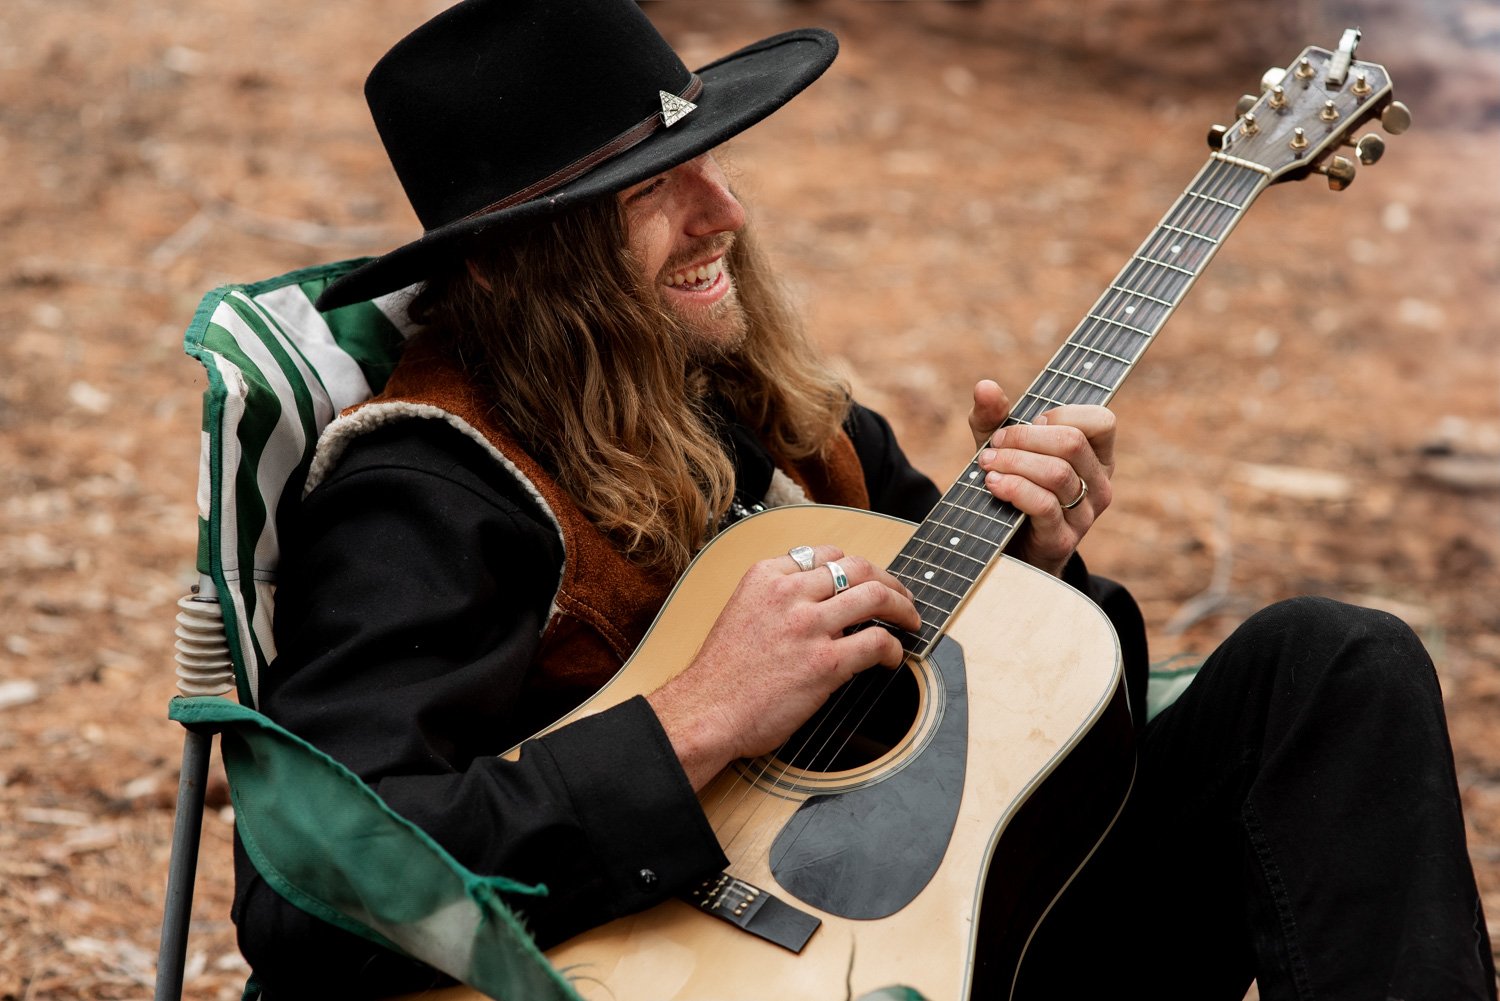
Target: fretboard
point(969, 527)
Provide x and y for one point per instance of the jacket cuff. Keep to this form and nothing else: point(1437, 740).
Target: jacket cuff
point(648, 835)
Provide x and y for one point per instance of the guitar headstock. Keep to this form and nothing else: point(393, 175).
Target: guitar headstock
point(1308, 110)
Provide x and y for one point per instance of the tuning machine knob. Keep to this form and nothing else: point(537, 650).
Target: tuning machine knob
point(1396, 118)
point(1244, 104)
point(1216, 134)
point(1272, 78)
point(1369, 148)
point(1340, 172)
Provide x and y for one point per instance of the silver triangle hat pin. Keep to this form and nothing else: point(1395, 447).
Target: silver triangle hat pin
point(674, 109)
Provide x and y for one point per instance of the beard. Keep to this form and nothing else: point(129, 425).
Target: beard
point(710, 332)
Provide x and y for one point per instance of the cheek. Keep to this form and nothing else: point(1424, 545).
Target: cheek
point(650, 243)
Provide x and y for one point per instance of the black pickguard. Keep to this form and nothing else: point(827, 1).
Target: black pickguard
point(868, 853)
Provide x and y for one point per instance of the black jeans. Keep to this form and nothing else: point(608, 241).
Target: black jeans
point(1295, 820)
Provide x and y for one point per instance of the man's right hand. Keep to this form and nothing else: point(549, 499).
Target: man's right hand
point(775, 654)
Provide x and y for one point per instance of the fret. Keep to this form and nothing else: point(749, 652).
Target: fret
point(1164, 264)
point(936, 607)
point(1211, 198)
point(982, 562)
point(969, 510)
point(1123, 324)
point(917, 586)
point(1143, 295)
point(1098, 351)
point(932, 568)
point(1190, 234)
point(1142, 316)
point(1079, 378)
point(1106, 368)
point(1046, 399)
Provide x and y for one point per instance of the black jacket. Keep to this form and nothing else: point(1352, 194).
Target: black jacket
point(413, 592)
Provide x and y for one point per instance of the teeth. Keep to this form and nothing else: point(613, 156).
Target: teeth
point(707, 273)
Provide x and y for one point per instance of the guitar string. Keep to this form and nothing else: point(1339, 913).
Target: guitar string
point(1060, 387)
point(1063, 387)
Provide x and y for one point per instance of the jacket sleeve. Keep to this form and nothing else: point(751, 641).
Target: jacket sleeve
point(413, 595)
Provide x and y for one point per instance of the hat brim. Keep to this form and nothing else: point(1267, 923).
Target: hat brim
point(739, 90)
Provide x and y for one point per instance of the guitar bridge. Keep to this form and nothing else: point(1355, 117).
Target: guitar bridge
point(751, 909)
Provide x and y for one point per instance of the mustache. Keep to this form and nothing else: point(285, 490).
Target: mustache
point(707, 248)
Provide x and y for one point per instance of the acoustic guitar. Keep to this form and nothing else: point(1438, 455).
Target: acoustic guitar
point(920, 828)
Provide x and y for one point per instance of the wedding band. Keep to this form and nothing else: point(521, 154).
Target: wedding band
point(840, 579)
point(802, 556)
point(1083, 491)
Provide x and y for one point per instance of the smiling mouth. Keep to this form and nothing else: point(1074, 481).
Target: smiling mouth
point(696, 279)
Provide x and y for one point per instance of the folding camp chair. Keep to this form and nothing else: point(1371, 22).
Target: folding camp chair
point(278, 371)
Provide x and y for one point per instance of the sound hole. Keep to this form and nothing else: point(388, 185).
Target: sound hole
point(860, 722)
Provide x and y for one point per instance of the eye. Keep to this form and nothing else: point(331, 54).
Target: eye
point(651, 187)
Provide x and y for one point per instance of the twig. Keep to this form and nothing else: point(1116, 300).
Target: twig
point(1216, 596)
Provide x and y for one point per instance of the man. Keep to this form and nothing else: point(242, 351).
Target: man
point(607, 375)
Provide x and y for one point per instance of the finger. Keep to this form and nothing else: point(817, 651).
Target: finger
point(866, 648)
point(818, 584)
point(821, 556)
point(1056, 476)
point(873, 600)
point(1043, 502)
point(991, 407)
point(1062, 441)
point(1096, 423)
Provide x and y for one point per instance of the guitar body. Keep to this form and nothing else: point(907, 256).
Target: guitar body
point(1019, 753)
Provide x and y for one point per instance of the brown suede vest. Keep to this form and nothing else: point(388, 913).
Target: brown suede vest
point(604, 603)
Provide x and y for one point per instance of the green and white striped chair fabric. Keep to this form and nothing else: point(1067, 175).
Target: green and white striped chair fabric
point(278, 372)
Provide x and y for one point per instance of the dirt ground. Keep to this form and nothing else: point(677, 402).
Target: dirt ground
point(1322, 415)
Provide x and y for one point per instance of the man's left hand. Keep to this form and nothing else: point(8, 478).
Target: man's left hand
point(1056, 470)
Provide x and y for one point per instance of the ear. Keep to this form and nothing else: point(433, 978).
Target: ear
point(478, 276)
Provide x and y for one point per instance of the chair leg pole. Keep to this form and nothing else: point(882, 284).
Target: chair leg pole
point(181, 869)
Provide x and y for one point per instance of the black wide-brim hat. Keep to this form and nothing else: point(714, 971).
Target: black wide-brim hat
point(501, 111)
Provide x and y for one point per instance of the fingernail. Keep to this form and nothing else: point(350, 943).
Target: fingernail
point(987, 456)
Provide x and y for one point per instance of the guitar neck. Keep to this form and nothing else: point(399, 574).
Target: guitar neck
point(969, 527)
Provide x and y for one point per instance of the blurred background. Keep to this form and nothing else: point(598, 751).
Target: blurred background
point(1322, 415)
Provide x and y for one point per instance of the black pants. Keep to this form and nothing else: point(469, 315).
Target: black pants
point(1295, 820)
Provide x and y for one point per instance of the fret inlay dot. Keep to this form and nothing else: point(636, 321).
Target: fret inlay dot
point(1176, 250)
point(1130, 309)
point(927, 576)
point(973, 474)
point(1088, 364)
point(953, 541)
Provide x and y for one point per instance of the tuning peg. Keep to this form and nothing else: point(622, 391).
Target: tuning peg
point(1271, 78)
point(1244, 104)
point(1396, 118)
point(1339, 171)
point(1369, 149)
point(1216, 134)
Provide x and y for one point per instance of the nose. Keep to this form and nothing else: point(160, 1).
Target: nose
point(714, 209)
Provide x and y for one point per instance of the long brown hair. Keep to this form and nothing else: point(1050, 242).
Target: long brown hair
point(610, 393)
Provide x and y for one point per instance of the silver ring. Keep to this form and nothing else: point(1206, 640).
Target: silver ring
point(840, 579)
point(1083, 491)
point(802, 556)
